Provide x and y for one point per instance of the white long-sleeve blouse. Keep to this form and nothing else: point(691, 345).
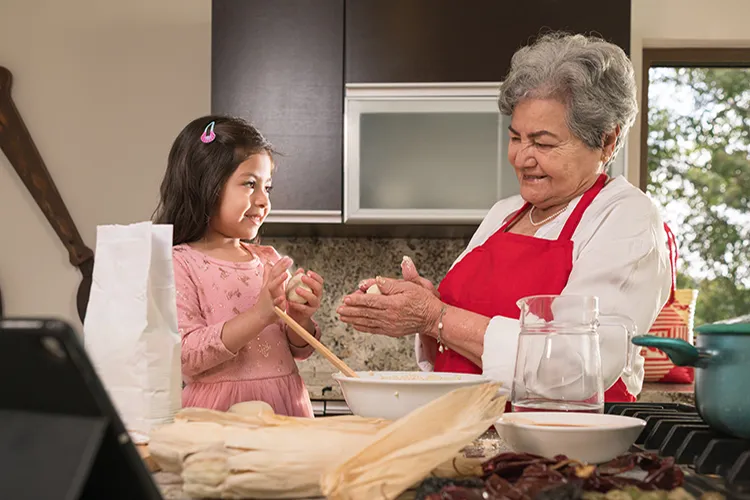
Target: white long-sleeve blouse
point(620, 255)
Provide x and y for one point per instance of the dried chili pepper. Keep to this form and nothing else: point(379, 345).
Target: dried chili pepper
point(524, 476)
point(667, 477)
point(510, 466)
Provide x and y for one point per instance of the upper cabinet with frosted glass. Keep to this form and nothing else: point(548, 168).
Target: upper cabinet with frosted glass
point(424, 153)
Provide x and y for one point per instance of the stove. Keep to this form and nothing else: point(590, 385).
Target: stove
point(712, 462)
point(330, 407)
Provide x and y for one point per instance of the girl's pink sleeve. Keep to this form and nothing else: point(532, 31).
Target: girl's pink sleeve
point(202, 347)
point(302, 353)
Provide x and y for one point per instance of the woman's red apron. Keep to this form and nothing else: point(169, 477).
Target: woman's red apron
point(491, 278)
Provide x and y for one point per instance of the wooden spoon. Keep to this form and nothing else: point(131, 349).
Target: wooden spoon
point(310, 339)
point(19, 147)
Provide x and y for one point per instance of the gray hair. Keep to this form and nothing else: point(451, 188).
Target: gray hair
point(593, 78)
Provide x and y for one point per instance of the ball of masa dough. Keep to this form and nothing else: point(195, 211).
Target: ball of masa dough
point(291, 289)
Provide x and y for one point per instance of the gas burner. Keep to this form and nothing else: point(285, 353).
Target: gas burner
point(713, 462)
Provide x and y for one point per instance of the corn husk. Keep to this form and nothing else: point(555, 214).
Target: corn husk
point(345, 423)
point(260, 455)
point(171, 444)
point(256, 454)
point(218, 461)
point(407, 451)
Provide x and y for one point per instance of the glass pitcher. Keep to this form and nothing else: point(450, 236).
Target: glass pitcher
point(558, 362)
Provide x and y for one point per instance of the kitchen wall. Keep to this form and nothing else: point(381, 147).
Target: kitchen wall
point(104, 86)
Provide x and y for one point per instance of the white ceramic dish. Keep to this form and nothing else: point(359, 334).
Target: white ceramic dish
point(589, 437)
point(391, 395)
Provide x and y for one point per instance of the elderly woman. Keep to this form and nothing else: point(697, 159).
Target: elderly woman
point(572, 230)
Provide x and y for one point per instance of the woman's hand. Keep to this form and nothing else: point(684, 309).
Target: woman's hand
point(409, 273)
point(303, 313)
point(272, 293)
point(404, 308)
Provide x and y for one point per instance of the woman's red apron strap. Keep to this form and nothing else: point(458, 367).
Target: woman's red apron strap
point(672, 244)
point(575, 218)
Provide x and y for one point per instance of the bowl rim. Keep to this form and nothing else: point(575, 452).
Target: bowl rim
point(628, 423)
point(472, 378)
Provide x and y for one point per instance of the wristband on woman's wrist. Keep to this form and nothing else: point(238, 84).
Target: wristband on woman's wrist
point(440, 329)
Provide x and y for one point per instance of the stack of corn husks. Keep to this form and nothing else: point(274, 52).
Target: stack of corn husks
point(250, 452)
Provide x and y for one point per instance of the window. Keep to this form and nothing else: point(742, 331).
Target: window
point(695, 163)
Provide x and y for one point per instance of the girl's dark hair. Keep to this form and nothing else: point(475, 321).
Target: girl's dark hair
point(197, 172)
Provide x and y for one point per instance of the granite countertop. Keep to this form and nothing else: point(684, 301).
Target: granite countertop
point(667, 393)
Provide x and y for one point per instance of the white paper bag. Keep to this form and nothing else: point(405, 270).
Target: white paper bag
point(130, 330)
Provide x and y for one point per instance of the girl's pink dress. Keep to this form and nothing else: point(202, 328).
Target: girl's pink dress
point(211, 292)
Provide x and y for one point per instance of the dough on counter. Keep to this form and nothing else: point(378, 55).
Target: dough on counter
point(291, 289)
point(374, 290)
point(251, 408)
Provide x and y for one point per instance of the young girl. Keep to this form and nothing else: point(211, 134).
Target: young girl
point(215, 193)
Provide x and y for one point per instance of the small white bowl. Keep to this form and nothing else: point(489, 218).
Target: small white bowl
point(391, 395)
point(588, 437)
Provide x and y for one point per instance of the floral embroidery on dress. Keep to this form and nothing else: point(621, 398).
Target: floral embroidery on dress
point(265, 349)
point(233, 293)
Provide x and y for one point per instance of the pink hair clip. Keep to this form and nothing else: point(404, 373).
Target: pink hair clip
point(208, 134)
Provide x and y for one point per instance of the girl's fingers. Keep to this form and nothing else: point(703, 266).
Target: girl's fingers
point(280, 267)
point(312, 299)
point(302, 309)
point(316, 286)
point(315, 276)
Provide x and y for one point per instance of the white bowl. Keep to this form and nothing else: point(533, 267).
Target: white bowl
point(599, 438)
point(391, 395)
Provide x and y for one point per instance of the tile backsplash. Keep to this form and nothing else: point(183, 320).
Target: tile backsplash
point(343, 263)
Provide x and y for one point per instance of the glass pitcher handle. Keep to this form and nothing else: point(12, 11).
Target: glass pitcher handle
point(630, 331)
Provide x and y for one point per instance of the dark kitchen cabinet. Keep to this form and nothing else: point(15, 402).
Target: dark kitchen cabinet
point(463, 41)
point(284, 65)
point(279, 64)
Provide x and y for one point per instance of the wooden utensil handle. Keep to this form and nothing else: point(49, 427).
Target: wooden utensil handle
point(310, 339)
point(18, 146)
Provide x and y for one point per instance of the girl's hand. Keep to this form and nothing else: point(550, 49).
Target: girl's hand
point(303, 313)
point(272, 293)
